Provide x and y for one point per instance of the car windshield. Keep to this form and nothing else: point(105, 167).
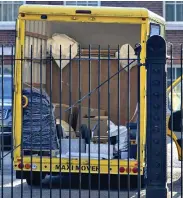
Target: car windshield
point(7, 87)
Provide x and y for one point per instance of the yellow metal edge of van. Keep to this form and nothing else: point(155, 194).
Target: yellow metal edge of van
point(95, 11)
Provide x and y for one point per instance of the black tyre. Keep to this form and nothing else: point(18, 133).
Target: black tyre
point(85, 133)
point(59, 131)
point(35, 179)
point(134, 181)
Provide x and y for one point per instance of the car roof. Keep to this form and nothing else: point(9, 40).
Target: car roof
point(6, 75)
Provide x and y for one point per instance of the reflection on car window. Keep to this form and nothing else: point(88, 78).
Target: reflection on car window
point(7, 91)
point(176, 95)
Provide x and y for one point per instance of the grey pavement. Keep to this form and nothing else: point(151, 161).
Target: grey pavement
point(18, 188)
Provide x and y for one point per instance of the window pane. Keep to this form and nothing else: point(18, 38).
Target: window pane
point(179, 2)
point(178, 72)
point(82, 3)
point(15, 10)
point(179, 12)
point(70, 2)
point(92, 3)
point(9, 10)
point(7, 87)
point(168, 83)
point(170, 12)
point(1, 12)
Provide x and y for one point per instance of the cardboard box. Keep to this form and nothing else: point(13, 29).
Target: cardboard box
point(65, 115)
point(102, 140)
point(93, 112)
point(84, 114)
point(66, 129)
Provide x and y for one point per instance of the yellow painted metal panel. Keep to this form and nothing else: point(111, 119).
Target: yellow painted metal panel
point(75, 165)
point(18, 93)
point(143, 78)
point(129, 12)
point(96, 19)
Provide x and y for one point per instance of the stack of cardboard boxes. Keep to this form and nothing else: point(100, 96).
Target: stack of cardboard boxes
point(72, 117)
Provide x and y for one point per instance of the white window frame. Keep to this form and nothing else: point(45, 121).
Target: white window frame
point(99, 3)
point(9, 25)
point(172, 25)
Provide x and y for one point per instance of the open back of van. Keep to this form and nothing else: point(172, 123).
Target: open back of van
point(78, 72)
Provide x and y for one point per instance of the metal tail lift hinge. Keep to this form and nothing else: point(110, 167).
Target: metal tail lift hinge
point(141, 64)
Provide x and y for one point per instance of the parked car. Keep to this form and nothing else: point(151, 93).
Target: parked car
point(6, 109)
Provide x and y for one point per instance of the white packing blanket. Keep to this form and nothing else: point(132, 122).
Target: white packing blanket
point(66, 43)
point(123, 136)
point(114, 130)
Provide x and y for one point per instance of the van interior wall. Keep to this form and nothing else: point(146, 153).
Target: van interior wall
point(35, 46)
point(96, 34)
point(112, 95)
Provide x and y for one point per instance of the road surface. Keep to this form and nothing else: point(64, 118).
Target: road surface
point(22, 190)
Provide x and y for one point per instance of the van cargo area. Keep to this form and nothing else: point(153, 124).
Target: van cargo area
point(66, 63)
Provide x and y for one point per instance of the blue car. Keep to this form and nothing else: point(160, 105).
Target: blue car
point(6, 109)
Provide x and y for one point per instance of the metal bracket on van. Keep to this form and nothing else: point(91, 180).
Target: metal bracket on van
point(137, 49)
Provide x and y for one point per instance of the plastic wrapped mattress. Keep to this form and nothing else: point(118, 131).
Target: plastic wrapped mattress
point(40, 131)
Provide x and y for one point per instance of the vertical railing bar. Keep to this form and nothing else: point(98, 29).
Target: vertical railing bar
point(31, 105)
point(171, 54)
point(51, 59)
point(41, 133)
point(70, 116)
point(12, 101)
point(155, 64)
point(60, 125)
point(21, 147)
point(181, 119)
point(79, 71)
point(31, 175)
point(2, 128)
point(108, 121)
point(139, 146)
point(128, 115)
point(89, 103)
point(118, 120)
point(99, 79)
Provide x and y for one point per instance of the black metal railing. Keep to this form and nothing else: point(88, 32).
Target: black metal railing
point(87, 128)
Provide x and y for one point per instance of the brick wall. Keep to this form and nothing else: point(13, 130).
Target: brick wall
point(176, 38)
point(155, 6)
point(7, 37)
